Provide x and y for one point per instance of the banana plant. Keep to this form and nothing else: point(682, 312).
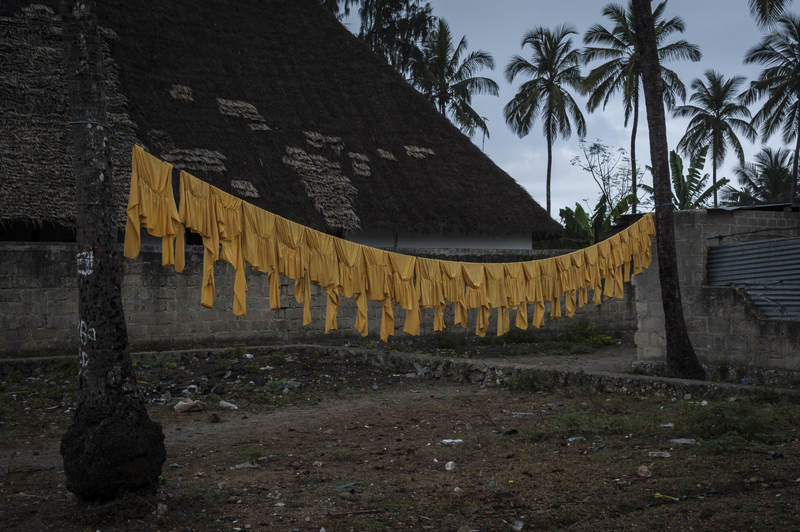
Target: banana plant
point(689, 191)
point(586, 228)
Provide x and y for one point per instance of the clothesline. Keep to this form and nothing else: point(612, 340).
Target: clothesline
point(237, 232)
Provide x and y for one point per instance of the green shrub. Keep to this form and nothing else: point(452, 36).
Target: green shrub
point(733, 425)
point(448, 340)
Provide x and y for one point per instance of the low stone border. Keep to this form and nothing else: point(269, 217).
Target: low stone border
point(483, 372)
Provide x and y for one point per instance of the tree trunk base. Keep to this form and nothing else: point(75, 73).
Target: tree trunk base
point(107, 452)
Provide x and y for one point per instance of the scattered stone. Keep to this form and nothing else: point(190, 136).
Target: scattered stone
point(346, 495)
point(188, 405)
point(516, 526)
point(450, 466)
point(687, 397)
point(162, 508)
point(214, 418)
point(246, 465)
point(683, 441)
point(644, 472)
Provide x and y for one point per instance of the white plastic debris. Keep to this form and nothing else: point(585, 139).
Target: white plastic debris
point(683, 441)
point(452, 442)
point(660, 455)
point(226, 404)
point(450, 466)
point(188, 405)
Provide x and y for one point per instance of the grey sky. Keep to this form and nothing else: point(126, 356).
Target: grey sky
point(723, 29)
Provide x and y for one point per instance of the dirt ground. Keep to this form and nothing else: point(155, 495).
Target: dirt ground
point(319, 444)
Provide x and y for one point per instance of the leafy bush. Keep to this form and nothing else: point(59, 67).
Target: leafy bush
point(448, 340)
point(522, 336)
point(734, 425)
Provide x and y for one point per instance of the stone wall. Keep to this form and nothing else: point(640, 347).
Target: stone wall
point(724, 326)
point(39, 304)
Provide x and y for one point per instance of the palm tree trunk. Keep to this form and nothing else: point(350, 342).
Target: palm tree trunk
point(681, 359)
point(633, 144)
point(111, 446)
point(549, 159)
point(794, 170)
point(714, 178)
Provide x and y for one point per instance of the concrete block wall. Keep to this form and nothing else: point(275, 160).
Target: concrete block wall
point(723, 325)
point(732, 227)
point(39, 305)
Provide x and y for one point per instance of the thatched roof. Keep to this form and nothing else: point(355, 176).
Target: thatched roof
point(271, 100)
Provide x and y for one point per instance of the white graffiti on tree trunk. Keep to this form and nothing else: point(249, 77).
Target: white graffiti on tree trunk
point(86, 334)
point(86, 262)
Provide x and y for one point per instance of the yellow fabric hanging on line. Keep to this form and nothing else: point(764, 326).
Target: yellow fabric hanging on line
point(151, 204)
point(235, 232)
point(430, 291)
point(260, 242)
point(377, 283)
point(453, 289)
point(351, 280)
point(515, 291)
point(404, 292)
point(197, 214)
point(475, 294)
point(230, 218)
point(322, 265)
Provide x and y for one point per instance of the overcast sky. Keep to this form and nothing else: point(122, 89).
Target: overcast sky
point(723, 29)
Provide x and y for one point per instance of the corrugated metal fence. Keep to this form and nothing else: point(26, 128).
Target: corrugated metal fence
point(768, 271)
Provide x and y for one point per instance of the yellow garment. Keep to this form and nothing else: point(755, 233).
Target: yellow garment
point(453, 289)
point(151, 204)
point(290, 256)
point(566, 276)
point(591, 260)
point(261, 248)
point(533, 290)
point(405, 294)
point(606, 267)
point(197, 214)
point(322, 266)
point(378, 285)
point(617, 254)
point(475, 294)
point(646, 233)
point(580, 276)
point(351, 281)
point(515, 290)
point(551, 286)
point(430, 290)
point(496, 294)
point(230, 222)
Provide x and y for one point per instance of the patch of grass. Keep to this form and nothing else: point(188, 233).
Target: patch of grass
point(449, 340)
point(238, 352)
point(734, 425)
point(251, 368)
point(276, 359)
point(254, 452)
point(586, 334)
point(523, 336)
point(529, 381)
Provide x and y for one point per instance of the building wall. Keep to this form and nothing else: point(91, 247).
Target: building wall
point(723, 325)
point(39, 304)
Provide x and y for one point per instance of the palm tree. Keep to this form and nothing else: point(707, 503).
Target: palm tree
point(766, 181)
point(622, 71)
point(554, 66)
point(681, 358)
point(449, 82)
point(767, 12)
point(713, 120)
point(779, 51)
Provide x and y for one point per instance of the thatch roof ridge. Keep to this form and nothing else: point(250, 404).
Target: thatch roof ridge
point(278, 103)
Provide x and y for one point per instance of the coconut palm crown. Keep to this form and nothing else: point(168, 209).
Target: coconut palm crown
point(450, 82)
point(554, 67)
point(622, 70)
point(716, 116)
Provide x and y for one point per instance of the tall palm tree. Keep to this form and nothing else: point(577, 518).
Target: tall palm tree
point(681, 358)
point(779, 82)
point(622, 71)
point(715, 119)
point(766, 181)
point(449, 82)
point(554, 66)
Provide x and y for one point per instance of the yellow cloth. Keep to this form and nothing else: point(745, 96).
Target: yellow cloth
point(606, 267)
point(230, 222)
point(475, 294)
point(261, 248)
point(566, 276)
point(197, 214)
point(405, 294)
point(430, 290)
point(151, 204)
point(515, 291)
point(378, 284)
point(496, 294)
point(591, 260)
point(322, 265)
point(551, 286)
point(581, 276)
point(618, 257)
point(290, 257)
point(646, 234)
point(533, 290)
point(453, 289)
point(351, 281)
